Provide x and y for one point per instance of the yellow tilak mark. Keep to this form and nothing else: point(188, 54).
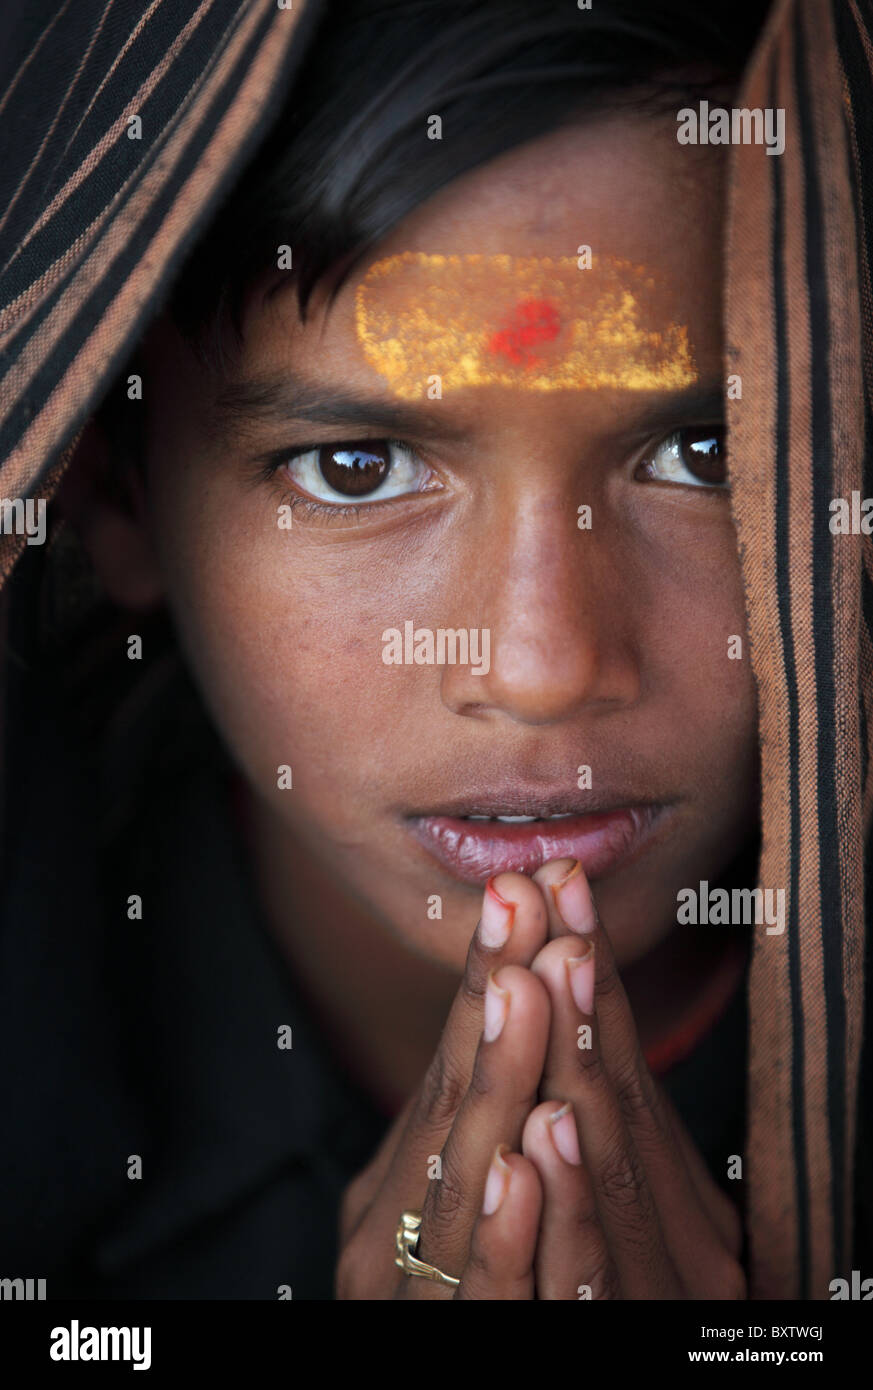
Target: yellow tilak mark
point(538, 323)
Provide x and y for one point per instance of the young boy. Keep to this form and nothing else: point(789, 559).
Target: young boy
point(425, 461)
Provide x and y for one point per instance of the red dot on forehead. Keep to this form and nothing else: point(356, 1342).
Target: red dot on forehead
point(532, 321)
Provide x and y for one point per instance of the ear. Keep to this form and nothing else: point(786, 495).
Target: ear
point(103, 497)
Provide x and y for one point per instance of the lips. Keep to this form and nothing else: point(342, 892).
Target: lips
point(473, 849)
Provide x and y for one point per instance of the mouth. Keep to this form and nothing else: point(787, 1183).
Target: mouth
point(477, 841)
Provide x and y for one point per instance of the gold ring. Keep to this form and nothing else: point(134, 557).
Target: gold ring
point(406, 1240)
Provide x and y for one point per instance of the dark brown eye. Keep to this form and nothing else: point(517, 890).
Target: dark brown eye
point(703, 454)
point(693, 457)
point(358, 473)
point(355, 469)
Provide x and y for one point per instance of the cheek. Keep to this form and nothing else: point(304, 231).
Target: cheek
point(698, 661)
point(698, 721)
point(284, 638)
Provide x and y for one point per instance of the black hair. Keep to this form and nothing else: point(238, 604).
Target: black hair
point(350, 156)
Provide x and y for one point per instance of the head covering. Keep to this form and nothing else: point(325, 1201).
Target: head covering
point(97, 213)
point(93, 225)
point(799, 332)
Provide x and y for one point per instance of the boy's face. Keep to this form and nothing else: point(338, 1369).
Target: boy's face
point(609, 642)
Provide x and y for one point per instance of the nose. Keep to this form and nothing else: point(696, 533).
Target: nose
point(553, 600)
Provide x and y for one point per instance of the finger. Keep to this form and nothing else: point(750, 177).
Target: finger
point(511, 929)
point(580, 912)
point(503, 1243)
point(572, 1256)
point(502, 1092)
point(567, 968)
point(651, 1119)
point(696, 1247)
point(625, 1202)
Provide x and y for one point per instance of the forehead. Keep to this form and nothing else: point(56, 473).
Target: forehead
point(488, 282)
point(537, 323)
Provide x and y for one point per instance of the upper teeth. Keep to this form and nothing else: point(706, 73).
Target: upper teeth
point(514, 820)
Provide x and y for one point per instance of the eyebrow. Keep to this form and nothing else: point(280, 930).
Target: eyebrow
point(289, 398)
point(702, 401)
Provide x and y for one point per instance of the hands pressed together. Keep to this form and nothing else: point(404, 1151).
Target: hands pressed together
point(566, 1173)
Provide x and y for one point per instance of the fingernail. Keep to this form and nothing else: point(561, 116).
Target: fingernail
point(497, 918)
point(564, 1134)
point(580, 977)
point(496, 1009)
point(572, 897)
point(497, 1183)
